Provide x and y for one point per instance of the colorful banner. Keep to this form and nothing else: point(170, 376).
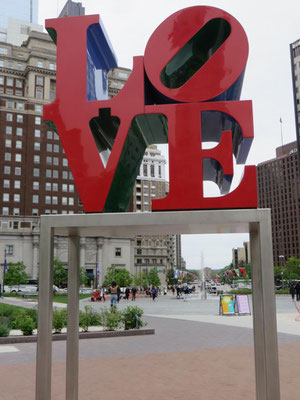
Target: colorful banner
point(227, 305)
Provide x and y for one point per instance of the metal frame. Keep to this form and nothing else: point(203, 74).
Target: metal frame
point(256, 222)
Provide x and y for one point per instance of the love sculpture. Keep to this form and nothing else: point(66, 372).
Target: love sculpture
point(185, 91)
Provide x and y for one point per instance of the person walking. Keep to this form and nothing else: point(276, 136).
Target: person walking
point(102, 294)
point(297, 289)
point(127, 291)
point(133, 293)
point(114, 289)
point(292, 291)
point(185, 292)
point(153, 292)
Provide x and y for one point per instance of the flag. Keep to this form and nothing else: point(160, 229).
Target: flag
point(97, 268)
point(280, 120)
point(237, 272)
point(5, 266)
point(242, 270)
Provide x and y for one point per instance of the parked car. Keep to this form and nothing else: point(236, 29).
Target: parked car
point(21, 289)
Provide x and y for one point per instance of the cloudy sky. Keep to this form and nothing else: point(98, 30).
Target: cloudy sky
point(270, 26)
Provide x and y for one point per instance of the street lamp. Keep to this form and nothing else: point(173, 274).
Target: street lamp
point(281, 257)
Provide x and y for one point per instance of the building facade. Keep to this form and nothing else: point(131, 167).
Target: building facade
point(295, 64)
point(278, 189)
point(241, 255)
point(72, 9)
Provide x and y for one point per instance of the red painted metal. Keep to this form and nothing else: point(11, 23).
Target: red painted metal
point(71, 112)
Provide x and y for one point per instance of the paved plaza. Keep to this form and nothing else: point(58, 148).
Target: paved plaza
point(194, 353)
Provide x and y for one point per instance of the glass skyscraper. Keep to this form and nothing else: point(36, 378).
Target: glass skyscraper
point(25, 10)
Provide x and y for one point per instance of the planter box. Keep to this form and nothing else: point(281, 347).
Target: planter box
point(82, 335)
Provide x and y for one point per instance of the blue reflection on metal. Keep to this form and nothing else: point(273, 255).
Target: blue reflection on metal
point(100, 59)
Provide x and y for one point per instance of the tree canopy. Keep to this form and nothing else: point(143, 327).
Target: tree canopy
point(120, 276)
point(16, 274)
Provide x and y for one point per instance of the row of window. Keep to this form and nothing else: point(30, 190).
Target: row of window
point(36, 171)
point(152, 170)
point(35, 212)
point(18, 65)
point(14, 92)
point(8, 81)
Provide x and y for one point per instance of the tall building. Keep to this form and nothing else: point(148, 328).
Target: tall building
point(17, 19)
point(295, 64)
point(241, 255)
point(25, 10)
point(278, 189)
point(72, 9)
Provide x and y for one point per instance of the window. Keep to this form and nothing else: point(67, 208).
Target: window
point(145, 169)
point(49, 160)
point(9, 91)
point(55, 135)
point(38, 108)
point(16, 197)
point(9, 117)
point(39, 93)
point(70, 175)
point(52, 66)
point(19, 83)
point(35, 198)
point(9, 81)
point(17, 184)
point(48, 173)
point(35, 211)
point(48, 199)
point(7, 169)
point(118, 251)
point(18, 170)
point(8, 130)
point(5, 197)
point(18, 144)
point(52, 90)
point(65, 162)
point(54, 199)
point(36, 159)
point(3, 50)
point(18, 157)
point(71, 188)
point(20, 106)
point(19, 66)
point(19, 118)
point(7, 156)
point(65, 174)
point(38, 120)
point(49, 135)
point(71, 201)
point(10, 64)
point(37, 133)
point(9, 104)
point(16, 211)
point(6, 183)
point(55, 161)
point(64, 187)
point(55, 187)
point(56, 148)
point(48, 186)
point(39, 80)
point(18, 93)
point(36, 172)
point(9, 250)
point(7, 143)
point(47, 211)
point(37, 146)
point(55, 174)
point(5, 210)
point(49, 147)
point(40, 63)
point(19, 131)
point(1, 65)
point(64, 201)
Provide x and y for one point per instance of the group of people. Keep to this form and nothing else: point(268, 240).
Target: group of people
point(295, 290)
point(115, 294)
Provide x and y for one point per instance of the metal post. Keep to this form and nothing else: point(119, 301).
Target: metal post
point(73, 319)
point(44, 339)
point(264, 310)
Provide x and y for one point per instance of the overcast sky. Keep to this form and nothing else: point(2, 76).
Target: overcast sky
point(270, 26)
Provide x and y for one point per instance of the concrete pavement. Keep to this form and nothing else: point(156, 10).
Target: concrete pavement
point(195, 353)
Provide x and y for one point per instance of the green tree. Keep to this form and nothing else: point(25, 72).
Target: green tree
point(60, 274)
point(111, 275)
point(140, 280)
point(121, 276)
point(16, 274)
point(291, 269)
point(83, 279)
point(153, 278)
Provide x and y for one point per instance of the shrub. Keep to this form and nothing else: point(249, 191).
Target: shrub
point(131, 317)
point(240, 291)
point(112, 319)
point(25, 324)
point(4, 330)
point(86, 318)
point(59, 320)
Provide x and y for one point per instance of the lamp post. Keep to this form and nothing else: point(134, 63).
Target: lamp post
point(281, 257)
